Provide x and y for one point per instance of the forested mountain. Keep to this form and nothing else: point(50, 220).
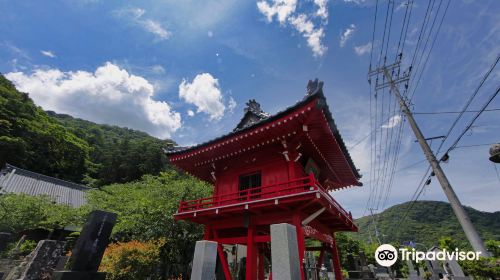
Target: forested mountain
point(73, 149)
point(117, 154)
point(426, 223)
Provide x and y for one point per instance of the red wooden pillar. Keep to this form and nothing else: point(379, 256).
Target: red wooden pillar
point(223, 260)
point(336, 260)
point(222, 257)
point(262, 272)
point(251, 265)
point(321, 256)
point(207, 234)
point(297, 222)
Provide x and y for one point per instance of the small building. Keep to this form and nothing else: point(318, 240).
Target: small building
point(17, 180)
point(269, 170)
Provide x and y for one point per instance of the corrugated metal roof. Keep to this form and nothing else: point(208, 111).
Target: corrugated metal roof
point(16, 180)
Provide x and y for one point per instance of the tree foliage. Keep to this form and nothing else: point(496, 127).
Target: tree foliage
point(132, 260)
point(20, 212)
point(426, 223)
point(118, 155)
point(145, 211)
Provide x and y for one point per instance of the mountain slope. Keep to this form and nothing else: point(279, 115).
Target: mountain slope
point(30, 139)
point(118, 154)
point(426, 222)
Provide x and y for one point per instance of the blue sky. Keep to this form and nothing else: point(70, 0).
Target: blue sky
point(184, 70)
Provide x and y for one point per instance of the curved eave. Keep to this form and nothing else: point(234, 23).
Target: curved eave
point(185, 157)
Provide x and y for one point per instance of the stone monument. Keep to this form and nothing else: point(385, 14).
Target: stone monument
point(40, 263)
point(89, 248)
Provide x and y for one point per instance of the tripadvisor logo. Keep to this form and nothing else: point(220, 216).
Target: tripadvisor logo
point(387, 255)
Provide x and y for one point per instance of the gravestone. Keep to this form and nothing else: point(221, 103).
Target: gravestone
point(89, 248)
point(204, 260)
point(40, 263)
point(454, 270)
point(412, 273)
point(284, 252)
point(434, 271)
point(352, 264)
point(421, 272)
point(4, 241)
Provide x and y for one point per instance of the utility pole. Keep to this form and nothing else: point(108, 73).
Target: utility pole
point(463, 218)
point(375, 225)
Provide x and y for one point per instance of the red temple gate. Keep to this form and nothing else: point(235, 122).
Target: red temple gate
point(269, 170)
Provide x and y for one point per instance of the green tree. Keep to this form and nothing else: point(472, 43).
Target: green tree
point(145, 211)
point(19, 212)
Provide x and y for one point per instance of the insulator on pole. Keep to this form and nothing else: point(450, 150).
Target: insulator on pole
point(495, 153)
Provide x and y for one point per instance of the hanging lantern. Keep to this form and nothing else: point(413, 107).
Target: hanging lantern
point(495, 153)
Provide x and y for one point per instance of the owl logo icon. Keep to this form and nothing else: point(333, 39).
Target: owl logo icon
point(386, 255)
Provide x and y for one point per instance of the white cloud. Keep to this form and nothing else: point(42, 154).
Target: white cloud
point(347, 34)
point(392, 122)
point(231, 104)
point(205, 94)
point(155, 28)
point(158, 69)
point(281, 8)
point(50, 54)
point(136, 16)
point(322, 11)
point(109, 95)
point(285, 12)
point(363, 49)
point(313, 35)
point(357, 2)
point(190, 113)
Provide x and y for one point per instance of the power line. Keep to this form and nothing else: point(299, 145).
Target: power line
point(473, 120)
point(469, 101)
point(403, 27)
point(432, 44)
point(474, 145)
point(422, 30)
point(454, 112)
point(368, 135)
point(373, 37)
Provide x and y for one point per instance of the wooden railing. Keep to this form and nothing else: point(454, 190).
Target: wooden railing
point(295, 186)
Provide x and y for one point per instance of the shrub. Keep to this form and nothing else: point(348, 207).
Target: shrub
point(132, 260)
point(20, 212)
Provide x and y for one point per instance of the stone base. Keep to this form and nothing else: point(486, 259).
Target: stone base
point(78, 275)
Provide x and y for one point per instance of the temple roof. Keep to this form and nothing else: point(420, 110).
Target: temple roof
point(17, 180)
point(255, 118)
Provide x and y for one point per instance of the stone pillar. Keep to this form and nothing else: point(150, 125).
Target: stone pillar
point(204, 260)
point(284, 252)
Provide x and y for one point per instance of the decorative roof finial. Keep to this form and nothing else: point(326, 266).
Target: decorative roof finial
point(254, 107)
point(314, 86)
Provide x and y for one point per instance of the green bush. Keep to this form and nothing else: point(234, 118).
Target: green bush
point(20, 212)
point(133, 260)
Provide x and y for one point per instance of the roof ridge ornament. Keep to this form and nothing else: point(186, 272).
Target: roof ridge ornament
point(254, 107)
point(314, 87)
point(253, 115)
